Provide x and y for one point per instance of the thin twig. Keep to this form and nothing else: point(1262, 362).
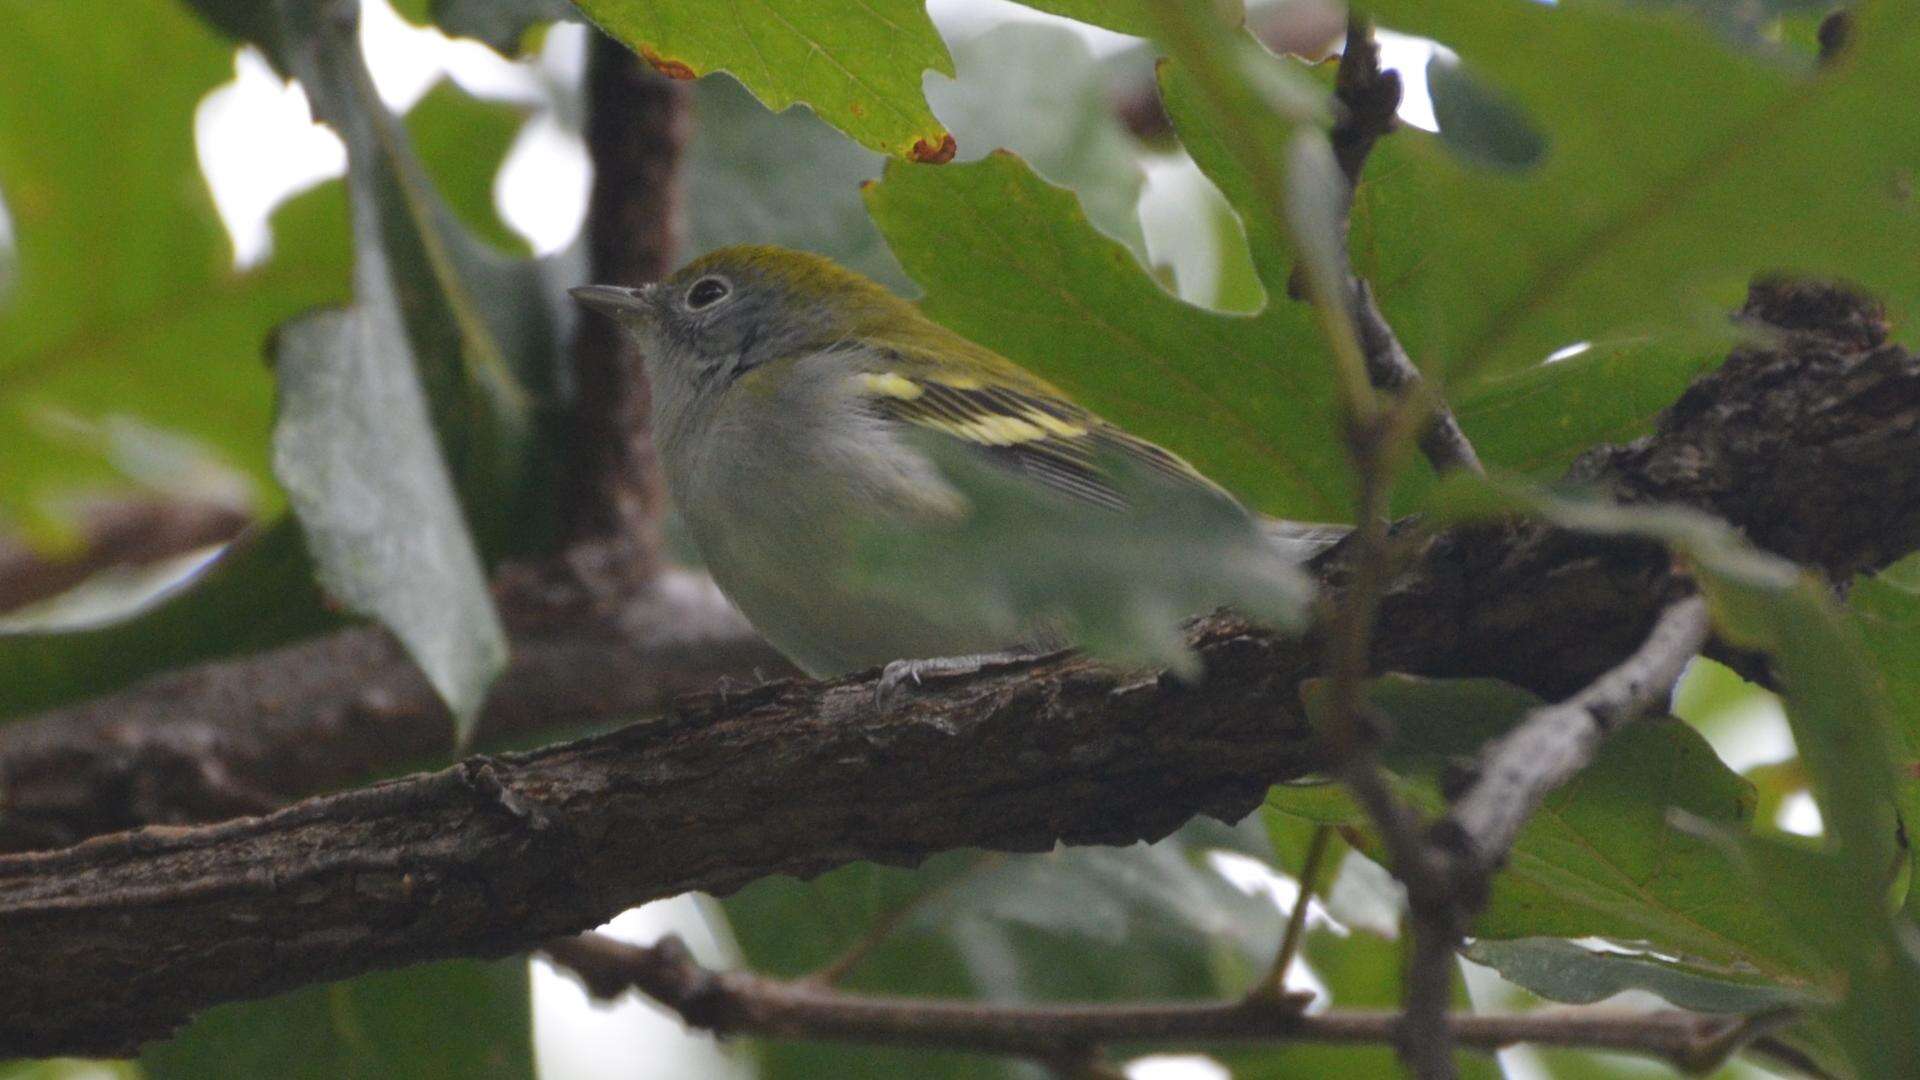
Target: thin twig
point(1369, 104)
point(1369, 99)
point(1424, 1039)
point(1555, 742)
point(1391, 370)
point(830, 973)
point(1275, 984)
point(740, 1003)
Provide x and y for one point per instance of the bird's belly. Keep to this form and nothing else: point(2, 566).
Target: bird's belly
point(810, 598)
point(780, 516)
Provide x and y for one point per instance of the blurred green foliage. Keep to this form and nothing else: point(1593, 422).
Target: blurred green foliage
point(1607, 173)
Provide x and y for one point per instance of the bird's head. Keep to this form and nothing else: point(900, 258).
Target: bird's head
point(738, 308)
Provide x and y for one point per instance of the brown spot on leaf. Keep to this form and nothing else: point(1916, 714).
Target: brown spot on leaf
point(856, 108)
point(672, 69)
point(866, 185)
point(934, 155)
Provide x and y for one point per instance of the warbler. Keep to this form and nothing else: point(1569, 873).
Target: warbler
point(870, 488)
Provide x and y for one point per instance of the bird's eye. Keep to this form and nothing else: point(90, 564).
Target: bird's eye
point(707, 292)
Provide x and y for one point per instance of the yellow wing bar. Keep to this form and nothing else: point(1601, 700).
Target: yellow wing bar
point(1049, 439)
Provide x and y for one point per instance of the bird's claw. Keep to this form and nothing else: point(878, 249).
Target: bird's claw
point(901, 677)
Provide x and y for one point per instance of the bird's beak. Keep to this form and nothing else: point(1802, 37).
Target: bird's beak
point(611, 299)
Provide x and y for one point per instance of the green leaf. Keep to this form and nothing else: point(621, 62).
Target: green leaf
point(1835, 703)
point(461, 141)
point(356, 451)
point(1563, 971)
point(1887, 612)
point(1211, 140)
point(1849, 927)
point(1038, 91)
point(1125, 16)
point(1011, 262)
point(858, 66)
point(416, 428)
point(789, 178)
point(460, 1020)
point(125, 301)
point(1477, 123)
point(489, 334)
point(1534, 421)
point(1667, 174)
point(784, 178)
point(259, 593)
point(1601, 858)
point(1834, 891)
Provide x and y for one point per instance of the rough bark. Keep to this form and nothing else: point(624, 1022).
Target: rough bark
point(121, 938)
point(252, 734)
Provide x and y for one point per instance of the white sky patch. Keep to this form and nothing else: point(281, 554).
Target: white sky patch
point(258, 144)
point(544, 183)
point(968, 18)
point(1755, 734)
point(1800, 815)
point(406, 60)
point(577, 1038)
point(1175, 205)
point(1255, 878)
point(542, 188)
point(1409, 55)
point(1176, 1067)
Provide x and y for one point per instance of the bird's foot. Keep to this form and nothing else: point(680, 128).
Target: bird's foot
point(901, 677)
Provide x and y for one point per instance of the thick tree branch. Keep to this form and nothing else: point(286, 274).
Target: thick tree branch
point(740, 1003)
point(133, 533)
point(117, 940)
point(252, 734)
point(1810, 443)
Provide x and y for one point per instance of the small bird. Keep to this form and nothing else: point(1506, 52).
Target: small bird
point(870, 488)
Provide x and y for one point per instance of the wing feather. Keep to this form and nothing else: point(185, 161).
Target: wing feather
point(1046, 438)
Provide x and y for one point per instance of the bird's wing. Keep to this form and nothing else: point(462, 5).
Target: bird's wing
point(1027, 430)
